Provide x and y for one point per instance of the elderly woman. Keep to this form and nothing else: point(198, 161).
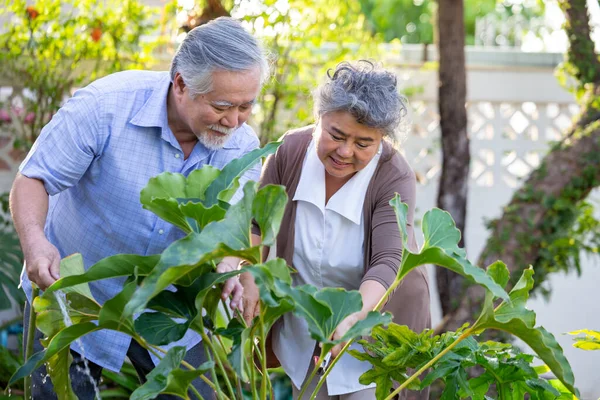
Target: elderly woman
point(338, 229)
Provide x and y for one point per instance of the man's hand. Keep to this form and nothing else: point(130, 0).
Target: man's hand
point(251, 297)
point(341, 330)
point(232, 286)
point(42, 262)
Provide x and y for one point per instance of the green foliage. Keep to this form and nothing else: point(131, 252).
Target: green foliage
point(440, 248)
point(507, 371)
point(590, 340)
point(57, 45)
point(168, 378)
point(513, 317)
point(167, 294)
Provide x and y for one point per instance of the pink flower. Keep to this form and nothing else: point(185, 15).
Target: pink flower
point(5, 117)
point(29, 118)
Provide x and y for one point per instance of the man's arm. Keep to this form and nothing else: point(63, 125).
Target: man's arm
point(29, 207)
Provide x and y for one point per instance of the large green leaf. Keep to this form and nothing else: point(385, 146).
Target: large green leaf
point(267, 209)
point(519, 321)
point(49, 314)
point(273, 280)
point(112, 310)
point(110, 267)
point(324, 309)
point(179, 304)
point(230, 236)
point(62, 340)
point(198, 216)
point(440, 248)
point(233, 170)
point(164, 194)
point(58, 367)
point(73, 265)
point(11, 264)
point(168, 378)
point(158, 329)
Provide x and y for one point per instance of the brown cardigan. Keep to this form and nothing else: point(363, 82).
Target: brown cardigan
point(382, 240)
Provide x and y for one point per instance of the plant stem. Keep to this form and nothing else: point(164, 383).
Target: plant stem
point(263, 362)
point(218, 390)
point(252, 366)
point(219, 364)
point(312, 376)
point(414, 376)
point(31, 327)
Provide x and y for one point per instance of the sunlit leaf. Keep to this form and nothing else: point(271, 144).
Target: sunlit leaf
point(440, 248)
point(233, 170)
point(110, 267)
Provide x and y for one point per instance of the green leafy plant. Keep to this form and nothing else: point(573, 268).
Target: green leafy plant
point(153, 316)
point(11, 260)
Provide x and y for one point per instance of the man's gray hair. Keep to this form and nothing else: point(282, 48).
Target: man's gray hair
point(221, 44)
point(369, 93)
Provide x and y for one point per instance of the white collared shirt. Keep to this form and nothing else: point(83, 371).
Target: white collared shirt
point(328, 253)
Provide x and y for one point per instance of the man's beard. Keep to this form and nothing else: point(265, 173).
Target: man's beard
point(213, 141)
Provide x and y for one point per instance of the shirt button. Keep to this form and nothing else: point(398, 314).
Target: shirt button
point(177, 155)
point(160, 231)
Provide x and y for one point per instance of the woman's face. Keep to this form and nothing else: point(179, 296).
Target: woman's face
point(344, 146)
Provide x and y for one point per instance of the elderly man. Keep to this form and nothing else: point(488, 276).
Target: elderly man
point(78, 189)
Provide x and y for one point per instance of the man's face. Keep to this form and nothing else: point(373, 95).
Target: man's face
point(212, 117)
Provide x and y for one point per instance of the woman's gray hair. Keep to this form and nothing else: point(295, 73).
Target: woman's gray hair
point(368, 92)
point(221, 44)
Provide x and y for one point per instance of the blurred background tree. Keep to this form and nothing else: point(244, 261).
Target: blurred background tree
point(48, 48)
point(415, 21)
point(548, 223)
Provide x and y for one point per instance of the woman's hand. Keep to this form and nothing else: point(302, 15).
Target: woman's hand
point(371, 292)
point(341, 330)
point(251, 298)
point(232, 286)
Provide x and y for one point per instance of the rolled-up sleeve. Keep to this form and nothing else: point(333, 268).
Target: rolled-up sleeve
point(68, 143)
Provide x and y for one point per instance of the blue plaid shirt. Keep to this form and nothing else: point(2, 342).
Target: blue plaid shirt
point(94, 157)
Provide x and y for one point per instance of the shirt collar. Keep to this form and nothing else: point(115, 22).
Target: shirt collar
point(348, 200)
point(154, 111)
point(311, 187)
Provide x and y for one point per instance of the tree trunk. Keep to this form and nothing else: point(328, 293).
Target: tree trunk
point(452, 193)
point(566, 175)
point(213, 9)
